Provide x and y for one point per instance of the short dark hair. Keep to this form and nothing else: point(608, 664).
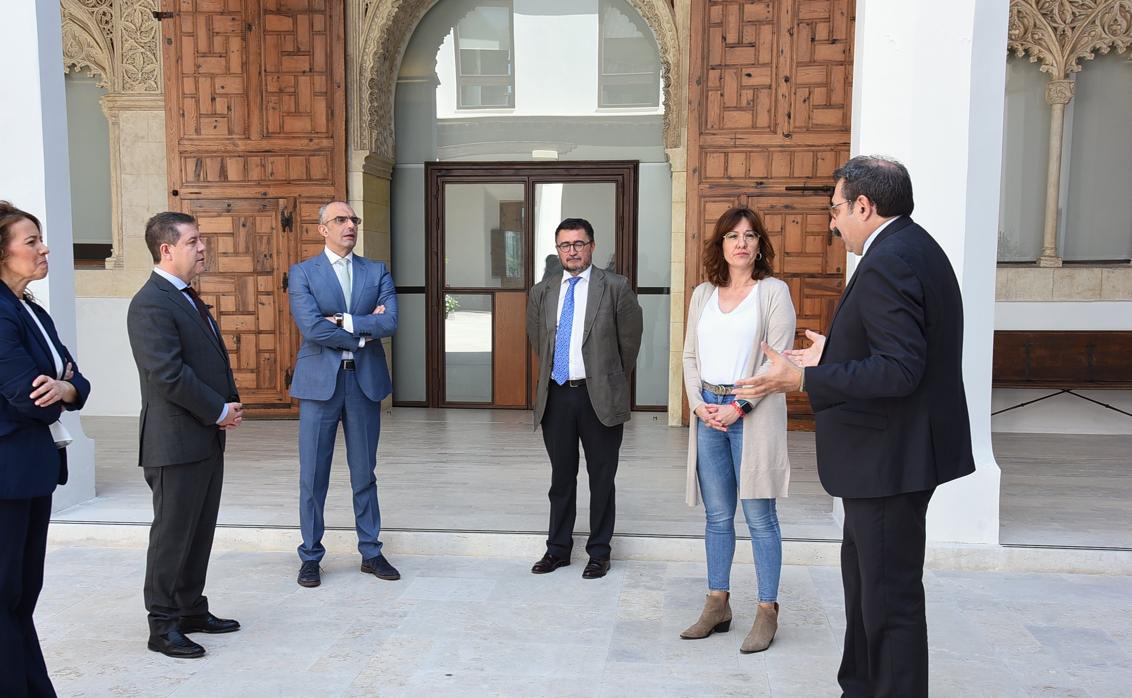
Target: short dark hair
point(716, 269)
point(162, 230)
point(575, 224)
point(882, 180)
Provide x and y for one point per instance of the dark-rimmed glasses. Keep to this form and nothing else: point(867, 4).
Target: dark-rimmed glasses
point(341, 220)
point(577, 245)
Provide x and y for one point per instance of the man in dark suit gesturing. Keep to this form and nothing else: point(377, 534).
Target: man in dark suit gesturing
point(891, 417)
point(189, 400)
point(585, 325)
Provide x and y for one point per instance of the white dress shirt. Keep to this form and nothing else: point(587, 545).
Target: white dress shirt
point(581, 291)
point(180, 285)
point(347, 319)
point(876, 232)
point(724, 341)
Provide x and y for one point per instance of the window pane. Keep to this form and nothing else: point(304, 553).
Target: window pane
point(467, 348)
point(484, 225)
point(409, 349)
point(1097, 224)
point(1025, 150)
point(630, 66)
point(594, 201)
point(652, 362)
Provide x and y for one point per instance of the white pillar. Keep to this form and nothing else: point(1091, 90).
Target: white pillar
point(35, 176)
point(929, 85)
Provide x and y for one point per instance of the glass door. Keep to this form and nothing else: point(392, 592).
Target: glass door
point(491, 238)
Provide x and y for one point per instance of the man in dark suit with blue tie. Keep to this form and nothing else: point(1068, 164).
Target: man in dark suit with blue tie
point(189, 401)
point(343, 305)
point(891, 417)
point(585, 326)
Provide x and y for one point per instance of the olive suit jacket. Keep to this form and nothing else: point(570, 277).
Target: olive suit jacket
point(610, 341)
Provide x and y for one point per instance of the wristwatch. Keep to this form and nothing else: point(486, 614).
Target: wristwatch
point(338, 319)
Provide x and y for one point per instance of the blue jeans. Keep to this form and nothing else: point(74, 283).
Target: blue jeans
point(718, 455)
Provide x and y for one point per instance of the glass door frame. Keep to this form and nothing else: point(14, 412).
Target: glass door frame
point(623, 173)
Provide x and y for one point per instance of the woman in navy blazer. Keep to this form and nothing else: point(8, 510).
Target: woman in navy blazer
point(38, 380)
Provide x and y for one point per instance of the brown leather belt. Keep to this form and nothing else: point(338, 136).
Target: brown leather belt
point(717, 389)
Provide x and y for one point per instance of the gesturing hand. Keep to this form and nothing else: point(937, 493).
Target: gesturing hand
point(379, 310)
point(782, 376)
point(811, 355)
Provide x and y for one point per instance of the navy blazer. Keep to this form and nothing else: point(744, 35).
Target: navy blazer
point(30, 465)
point(315, 293)
point(888, 399)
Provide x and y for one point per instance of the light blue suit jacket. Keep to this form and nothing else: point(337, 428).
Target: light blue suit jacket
point(315, 294)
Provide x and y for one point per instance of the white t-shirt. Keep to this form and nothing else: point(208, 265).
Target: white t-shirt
point(724, 341)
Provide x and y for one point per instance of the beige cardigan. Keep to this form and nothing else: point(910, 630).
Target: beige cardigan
point(764, 472)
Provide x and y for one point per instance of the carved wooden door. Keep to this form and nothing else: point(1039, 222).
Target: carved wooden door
point(769, 121)
point(255, 135)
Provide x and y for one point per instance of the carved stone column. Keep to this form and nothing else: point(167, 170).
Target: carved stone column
point(1060, 35)
point(1058, 94)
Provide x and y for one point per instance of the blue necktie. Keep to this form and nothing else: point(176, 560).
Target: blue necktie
point(561, 371)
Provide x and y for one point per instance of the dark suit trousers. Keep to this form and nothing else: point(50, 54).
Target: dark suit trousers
point(569, 416)
point(882, 568)
point(186, 499)
point(23, 546)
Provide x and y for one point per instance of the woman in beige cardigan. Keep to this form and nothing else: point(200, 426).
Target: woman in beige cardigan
point(737, 449)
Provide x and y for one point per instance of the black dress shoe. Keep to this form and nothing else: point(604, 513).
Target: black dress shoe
point(549, 563)
point(175, 644)
point(208, 623)
point(595, 568)
point(309, 575)
point(380, 568)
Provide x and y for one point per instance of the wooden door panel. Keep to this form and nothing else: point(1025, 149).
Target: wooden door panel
point(509, 350)
point(770, 86)
point(244, 245)
point(255, 119)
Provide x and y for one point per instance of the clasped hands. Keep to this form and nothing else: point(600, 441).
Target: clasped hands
point(234, 418)
point(783, 373)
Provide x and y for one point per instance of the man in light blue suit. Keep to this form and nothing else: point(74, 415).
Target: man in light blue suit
point(343, 305)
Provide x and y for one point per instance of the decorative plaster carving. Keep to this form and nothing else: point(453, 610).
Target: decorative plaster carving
point(87, 38)
point(1062, 33)
point(1059, 91)
point(387, 25)
point(139, 46)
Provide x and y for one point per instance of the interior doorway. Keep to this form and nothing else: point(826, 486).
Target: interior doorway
point(490, 232)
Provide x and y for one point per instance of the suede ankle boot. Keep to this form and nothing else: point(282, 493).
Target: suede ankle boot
point(762, 632)
point(715, 618)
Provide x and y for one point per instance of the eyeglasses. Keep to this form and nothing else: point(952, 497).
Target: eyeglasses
point(749, 237)
point(833, 207)
point(341, 220)
point(577, 245)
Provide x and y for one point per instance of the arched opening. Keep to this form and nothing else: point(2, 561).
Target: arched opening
point(565, 91)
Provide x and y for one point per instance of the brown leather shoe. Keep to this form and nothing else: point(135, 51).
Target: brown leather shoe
point(595, 568)
point(549, 563)
point(762, 632)
point(715, 618)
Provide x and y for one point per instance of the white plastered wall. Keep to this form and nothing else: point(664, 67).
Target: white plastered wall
point(929, 84)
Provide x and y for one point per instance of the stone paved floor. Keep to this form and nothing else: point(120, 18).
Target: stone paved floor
point(486, 627)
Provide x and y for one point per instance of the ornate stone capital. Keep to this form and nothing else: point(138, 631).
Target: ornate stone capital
point(88, 38)
point(1062, 33)
point(1059, 91)
point(132, 101)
